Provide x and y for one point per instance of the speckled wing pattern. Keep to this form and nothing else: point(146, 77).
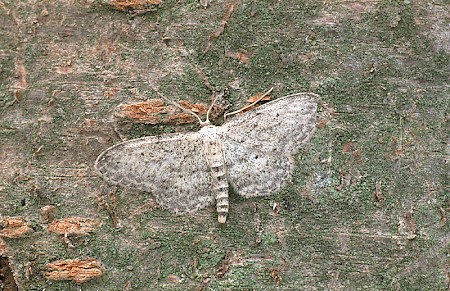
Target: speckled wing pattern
point(257, 147)
point(171, 167)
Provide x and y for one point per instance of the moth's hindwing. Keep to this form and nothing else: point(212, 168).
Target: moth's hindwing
point(252, 172)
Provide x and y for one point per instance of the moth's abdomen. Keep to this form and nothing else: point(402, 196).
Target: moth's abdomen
point(213, 151)
point(221, 192)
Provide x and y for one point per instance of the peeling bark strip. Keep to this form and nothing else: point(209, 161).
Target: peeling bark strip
point(156, 111)
point(79, 271)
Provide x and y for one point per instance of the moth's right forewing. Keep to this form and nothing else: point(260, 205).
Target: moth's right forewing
point(171, 167)
point(279, 126)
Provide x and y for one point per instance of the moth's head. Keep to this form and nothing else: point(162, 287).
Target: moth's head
point(205, 123)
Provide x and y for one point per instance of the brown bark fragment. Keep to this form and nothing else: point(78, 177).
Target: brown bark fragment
point(346, 179)
point(74, 225)
point(14, 227)
point(126, 5)
point(3, 247)
point(21, 84)
point(155, 111)
point(79, 271)
point(173, 279)
point(322, 123)
point(407, 225)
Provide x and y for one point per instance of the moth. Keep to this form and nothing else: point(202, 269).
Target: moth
point(253, 153)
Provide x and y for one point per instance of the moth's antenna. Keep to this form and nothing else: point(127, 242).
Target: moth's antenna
point(211, 106)
point(182, 108)
point(248, 106)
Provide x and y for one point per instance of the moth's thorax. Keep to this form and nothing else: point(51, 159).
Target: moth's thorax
point(209, 133)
